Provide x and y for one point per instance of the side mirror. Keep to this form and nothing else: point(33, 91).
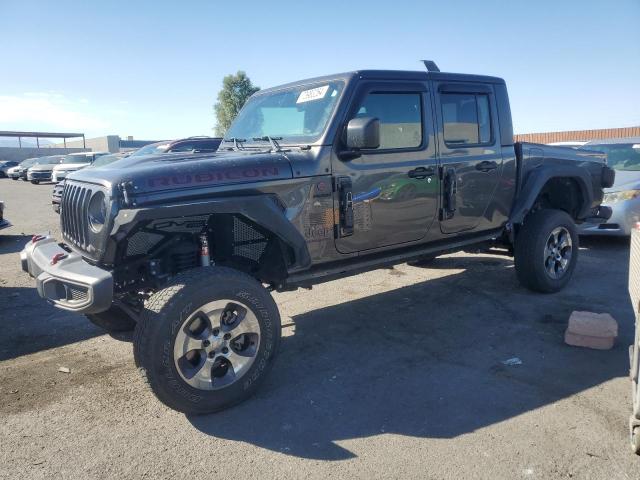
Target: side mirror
point(363, 133)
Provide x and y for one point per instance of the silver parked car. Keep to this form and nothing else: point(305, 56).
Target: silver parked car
point(623, 155)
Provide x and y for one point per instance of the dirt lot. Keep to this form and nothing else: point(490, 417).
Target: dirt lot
point(394, 373)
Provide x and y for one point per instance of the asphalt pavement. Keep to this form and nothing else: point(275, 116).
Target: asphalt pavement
point(396, 373)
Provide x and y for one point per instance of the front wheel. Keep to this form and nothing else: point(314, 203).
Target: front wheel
point(35, 182)
point(206, 342)
point(546, 251)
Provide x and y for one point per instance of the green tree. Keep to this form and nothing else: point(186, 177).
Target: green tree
point(236, 89)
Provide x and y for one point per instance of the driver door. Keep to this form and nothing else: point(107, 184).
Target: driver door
point(393, 189)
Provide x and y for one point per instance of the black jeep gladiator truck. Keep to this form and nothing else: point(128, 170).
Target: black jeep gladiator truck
point(315, 180)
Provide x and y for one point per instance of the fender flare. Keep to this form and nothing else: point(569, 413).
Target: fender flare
point(538, 178)
point(260, 209)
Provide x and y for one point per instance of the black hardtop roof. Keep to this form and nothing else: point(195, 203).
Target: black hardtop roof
point(391, 75)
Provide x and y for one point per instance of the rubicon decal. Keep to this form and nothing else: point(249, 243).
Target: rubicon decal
point(232, 175)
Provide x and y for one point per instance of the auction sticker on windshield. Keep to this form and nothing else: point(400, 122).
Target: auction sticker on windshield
point(312, 94)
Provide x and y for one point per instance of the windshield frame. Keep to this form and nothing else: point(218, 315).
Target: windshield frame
point(286, 141)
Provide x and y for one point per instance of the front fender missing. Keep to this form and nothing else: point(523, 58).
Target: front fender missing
point(538, 179)
point(260, 209)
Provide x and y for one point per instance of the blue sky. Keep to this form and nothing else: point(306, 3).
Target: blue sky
point(152, 69)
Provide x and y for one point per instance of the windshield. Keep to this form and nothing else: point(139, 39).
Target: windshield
point(151, 149)
point(28, 162)
point(295, 115)
point(620, 156)
point(48, 160)
point(76, 159)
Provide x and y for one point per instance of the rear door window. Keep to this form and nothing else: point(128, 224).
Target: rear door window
point(466, 118)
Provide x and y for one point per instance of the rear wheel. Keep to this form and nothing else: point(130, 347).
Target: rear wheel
point(113, 320)
point(546, 251)
point(207, 341)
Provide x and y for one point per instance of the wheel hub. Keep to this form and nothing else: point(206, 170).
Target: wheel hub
point(216, 345)
point(558, 252)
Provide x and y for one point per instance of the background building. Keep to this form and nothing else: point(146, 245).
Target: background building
point(108, 143)
point(18, 146)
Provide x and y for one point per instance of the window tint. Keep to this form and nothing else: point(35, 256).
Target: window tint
point(183, 147)
point(467, 118)
point(400, 116)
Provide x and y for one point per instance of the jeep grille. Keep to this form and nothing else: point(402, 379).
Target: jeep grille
point(73, 214)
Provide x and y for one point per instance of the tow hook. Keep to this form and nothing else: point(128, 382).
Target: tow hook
point(57, 257)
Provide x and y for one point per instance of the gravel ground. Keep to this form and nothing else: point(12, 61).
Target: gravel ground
point(393, 373)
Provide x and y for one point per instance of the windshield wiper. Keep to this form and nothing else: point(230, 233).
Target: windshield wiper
point(275, 147)
point(236, 142)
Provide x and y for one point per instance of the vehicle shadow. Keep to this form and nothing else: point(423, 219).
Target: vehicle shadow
point(13, 243)
point(426, 360)
point(28, 324)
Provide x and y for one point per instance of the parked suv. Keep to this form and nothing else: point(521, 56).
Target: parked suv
point(74, 162)
point(42, 169)
point(187, 249)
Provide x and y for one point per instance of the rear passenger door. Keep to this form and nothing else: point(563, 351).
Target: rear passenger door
point(470, 155)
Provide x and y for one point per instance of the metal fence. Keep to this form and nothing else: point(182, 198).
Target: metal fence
point(578, 135)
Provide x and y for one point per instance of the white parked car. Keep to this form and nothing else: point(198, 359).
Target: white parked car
point(73, 162)
point(13, 172)
point(570, 144)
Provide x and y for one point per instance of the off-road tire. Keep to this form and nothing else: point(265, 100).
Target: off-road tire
point(164, 314)
point(530, 246)
point(113, 320)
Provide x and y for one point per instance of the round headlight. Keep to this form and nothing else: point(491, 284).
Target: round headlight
point(97, 211)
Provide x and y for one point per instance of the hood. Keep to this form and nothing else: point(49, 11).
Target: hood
point(70, 166)
point(625, 180)
point(156, 173)
point(42, 168)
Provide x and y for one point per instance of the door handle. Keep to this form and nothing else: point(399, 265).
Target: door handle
point(486, 166)
point(421, 172)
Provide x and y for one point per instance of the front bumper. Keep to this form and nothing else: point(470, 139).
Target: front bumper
point(43, 176)
point(71, 283)
point(624, 216)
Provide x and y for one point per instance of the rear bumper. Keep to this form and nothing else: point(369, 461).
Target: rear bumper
point(71, 283)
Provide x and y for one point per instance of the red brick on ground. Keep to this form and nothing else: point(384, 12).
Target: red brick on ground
point(591, 330)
